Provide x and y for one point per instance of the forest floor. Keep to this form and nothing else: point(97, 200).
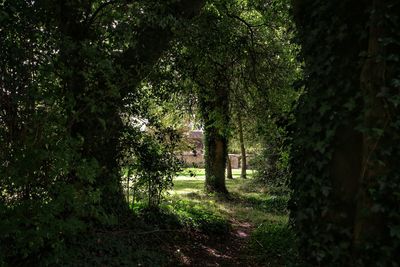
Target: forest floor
point(248, 228)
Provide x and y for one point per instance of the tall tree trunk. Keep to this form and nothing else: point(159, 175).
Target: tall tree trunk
point(370, 224)
point(215, 113)
point(242, 148)
point(229, 168)
point(336, 181)
point(359, 206)
point(215, 160)
point(347, 145)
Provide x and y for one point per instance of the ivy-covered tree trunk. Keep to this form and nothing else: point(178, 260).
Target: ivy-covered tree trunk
point(242, 148)
point(377, 86)
point(346, 144)
point(327, 150)
point(215, 113)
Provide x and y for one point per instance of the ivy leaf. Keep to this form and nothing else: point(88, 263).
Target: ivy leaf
point(395, 231)
point(324, 108)
point(103, 123)
point(325, 190)
point(351, 104)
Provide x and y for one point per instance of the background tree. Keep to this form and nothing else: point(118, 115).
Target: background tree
point(230, 58)
point(262, 91)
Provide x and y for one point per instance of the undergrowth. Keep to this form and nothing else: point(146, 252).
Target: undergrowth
point(274, 244)
point(197, 216)
point(189, 210)
point(186, 215)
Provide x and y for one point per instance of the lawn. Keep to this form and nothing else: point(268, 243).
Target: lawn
point(249, 203)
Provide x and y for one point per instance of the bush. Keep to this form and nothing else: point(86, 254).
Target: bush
point(272, 162)
point(150, 164)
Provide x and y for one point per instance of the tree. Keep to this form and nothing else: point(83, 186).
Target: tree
point(68, 69)
point(205, 61)
point(229, 57)
point(346, 145)
point(132, 63)
point(229, 168)
point(262, 88)
point(242, 148)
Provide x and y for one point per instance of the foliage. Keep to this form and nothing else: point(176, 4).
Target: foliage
point(236, 60)
point(270, 203)
point(335, 122)
point(272, 160)
point(114, 247)
point(41, 205)
point(263, 96)
point(150, 165)
point(70, 71)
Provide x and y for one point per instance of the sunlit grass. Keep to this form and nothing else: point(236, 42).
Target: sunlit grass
point(200, 173)
point(247, 202)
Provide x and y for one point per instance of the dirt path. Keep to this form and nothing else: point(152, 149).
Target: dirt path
point(211, 250)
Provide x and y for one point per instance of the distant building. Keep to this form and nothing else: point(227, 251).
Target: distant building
point(195, 157)
point(195, 138)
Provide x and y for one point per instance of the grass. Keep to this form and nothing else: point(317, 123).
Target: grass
point(265, 209)
point(247, 202)
point(274, 244)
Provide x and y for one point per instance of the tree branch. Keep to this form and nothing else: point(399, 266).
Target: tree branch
point(98, 10)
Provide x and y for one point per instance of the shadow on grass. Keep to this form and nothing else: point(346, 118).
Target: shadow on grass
point(270, 203)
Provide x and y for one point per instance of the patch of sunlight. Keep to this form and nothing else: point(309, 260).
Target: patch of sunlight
point(197, 178)
point(226, 209)
point(183, 191)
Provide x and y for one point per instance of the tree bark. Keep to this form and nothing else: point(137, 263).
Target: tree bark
point(369, 224)
point(359, 204)
point(242, 149)
point(229, 168)
point(215, 157)
point(99, 129)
